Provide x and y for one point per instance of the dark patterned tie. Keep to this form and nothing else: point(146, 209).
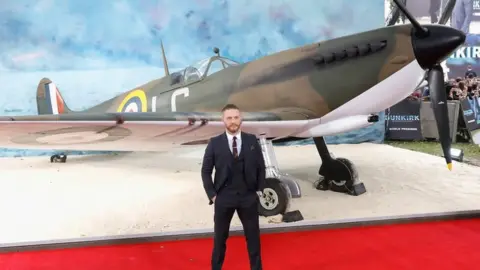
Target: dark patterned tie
point(234, 147)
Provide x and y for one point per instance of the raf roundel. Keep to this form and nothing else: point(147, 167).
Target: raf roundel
point(135, 101)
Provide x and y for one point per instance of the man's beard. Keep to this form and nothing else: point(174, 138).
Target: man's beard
point(233, 128)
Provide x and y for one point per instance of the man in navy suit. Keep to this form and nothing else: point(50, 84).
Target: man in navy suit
point(238, 182)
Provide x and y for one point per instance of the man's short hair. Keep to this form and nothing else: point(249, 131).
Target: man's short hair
point(230, 107)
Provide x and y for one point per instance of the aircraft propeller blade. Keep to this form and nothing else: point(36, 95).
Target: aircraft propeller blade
point(444, 17)
point(438, 99)
point(420, 30)
point(432, 44)
point(447, 12)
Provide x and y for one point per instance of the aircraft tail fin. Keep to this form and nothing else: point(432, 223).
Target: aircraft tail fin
point(165, 63)
point(49, 99)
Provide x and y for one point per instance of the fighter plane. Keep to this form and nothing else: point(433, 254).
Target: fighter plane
point(312, 91)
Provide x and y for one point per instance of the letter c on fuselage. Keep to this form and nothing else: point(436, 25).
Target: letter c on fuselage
point(181, 91)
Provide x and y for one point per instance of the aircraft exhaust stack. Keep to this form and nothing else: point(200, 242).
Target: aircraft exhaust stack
point(432, 44)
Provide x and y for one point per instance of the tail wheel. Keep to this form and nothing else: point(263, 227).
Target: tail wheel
point(58, 158)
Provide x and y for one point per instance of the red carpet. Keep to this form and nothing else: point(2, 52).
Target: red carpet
point(432, 245)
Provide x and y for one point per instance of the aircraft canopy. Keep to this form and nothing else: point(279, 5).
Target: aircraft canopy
point(201, 69)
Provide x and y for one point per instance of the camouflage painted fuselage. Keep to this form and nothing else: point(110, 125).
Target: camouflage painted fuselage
point(309, 81)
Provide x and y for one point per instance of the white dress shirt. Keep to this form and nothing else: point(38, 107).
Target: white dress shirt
point(239, 141)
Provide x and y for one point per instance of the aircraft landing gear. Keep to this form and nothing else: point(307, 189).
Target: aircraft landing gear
point(337, 174)
point(58, 158)
point(279, 187)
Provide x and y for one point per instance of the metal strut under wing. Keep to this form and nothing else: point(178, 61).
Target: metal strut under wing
point(272, 169)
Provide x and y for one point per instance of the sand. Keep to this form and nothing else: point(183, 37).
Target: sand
point(154, 192)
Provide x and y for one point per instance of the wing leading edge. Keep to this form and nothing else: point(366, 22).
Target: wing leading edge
point(137, 131)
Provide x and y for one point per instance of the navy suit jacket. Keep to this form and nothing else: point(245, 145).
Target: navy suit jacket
point(218, 155)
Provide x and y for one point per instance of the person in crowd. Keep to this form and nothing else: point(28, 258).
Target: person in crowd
point(417, 94)
point(426, 91)
point(434, 10)
point(470, 73)
point(462, 15)
point(462, 88)
point(456, 89)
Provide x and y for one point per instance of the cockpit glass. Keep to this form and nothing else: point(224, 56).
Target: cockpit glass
point(229, 62)
point(215, 66)
point(196, 71)
point(201, 66)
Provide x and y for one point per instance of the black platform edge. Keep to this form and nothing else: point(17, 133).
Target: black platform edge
point(237, 230)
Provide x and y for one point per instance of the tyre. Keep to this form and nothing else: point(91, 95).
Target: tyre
point(274, 199)
point(54, 158)
point(58, 158)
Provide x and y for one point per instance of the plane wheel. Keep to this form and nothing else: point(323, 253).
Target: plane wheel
point(58, 158)
point(340, 175)
point(274, 199)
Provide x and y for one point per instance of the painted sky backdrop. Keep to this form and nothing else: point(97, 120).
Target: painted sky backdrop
point(94, 50)
point(91, 34)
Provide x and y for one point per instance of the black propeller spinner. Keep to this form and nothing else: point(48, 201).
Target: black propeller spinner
point(432, 44)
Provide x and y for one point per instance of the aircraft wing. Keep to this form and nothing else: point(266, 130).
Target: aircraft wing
point(137, 131)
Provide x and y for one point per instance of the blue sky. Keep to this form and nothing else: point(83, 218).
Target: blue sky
point(70, 35)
